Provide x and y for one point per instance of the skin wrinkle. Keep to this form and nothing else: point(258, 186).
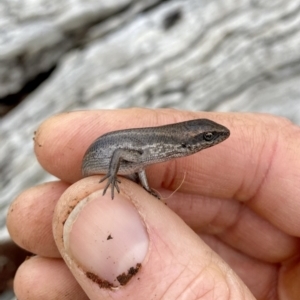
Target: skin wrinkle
point(232, 242)
point(235, 221)
point(241, 190)
point(219, 247)
point(213, 220)
point(177, 261)
point(158, 116)
point(195, 279)
point(271, 293)
point(208, 291)
point(170, 179)
point(251, 186)
point(241, 290)
point(189, 205)
point(162, 117)
point(268, 170)
point(172, 284)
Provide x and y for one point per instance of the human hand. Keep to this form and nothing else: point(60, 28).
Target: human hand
point(239, 199)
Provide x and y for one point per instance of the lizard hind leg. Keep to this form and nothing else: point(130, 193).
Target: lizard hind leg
point(144, 183)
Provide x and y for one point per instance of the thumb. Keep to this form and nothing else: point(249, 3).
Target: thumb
point(134, 247)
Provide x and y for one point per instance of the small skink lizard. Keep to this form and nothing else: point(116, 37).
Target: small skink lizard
point(127, 152)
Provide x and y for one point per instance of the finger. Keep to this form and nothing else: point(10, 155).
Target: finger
point(237, 225)
point(139, 244)
point(259, 164)
point(46, 278)
point(29, 220)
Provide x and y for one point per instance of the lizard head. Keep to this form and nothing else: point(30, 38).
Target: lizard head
point(203, 133)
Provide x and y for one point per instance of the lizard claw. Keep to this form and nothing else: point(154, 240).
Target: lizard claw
point(153, 193)
point(113, 181)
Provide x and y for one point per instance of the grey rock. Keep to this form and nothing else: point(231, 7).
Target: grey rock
point(34, 34)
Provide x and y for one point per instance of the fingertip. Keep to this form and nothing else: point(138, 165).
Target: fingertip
point(46, 278)
point(57, 147)
point(29, 218)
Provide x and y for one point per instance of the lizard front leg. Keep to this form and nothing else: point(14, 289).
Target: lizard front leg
point(129, 155)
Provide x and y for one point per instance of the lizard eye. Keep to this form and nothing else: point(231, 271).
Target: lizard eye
point(208, 136)
point(183, 145)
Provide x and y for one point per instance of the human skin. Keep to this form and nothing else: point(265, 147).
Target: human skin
point(231, 231)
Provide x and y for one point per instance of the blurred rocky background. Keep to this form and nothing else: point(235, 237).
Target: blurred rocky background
point(55, 56)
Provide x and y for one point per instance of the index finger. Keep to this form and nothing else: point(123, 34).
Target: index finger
point(259, 164)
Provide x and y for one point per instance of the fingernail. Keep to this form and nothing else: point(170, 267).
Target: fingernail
point(107, 238)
